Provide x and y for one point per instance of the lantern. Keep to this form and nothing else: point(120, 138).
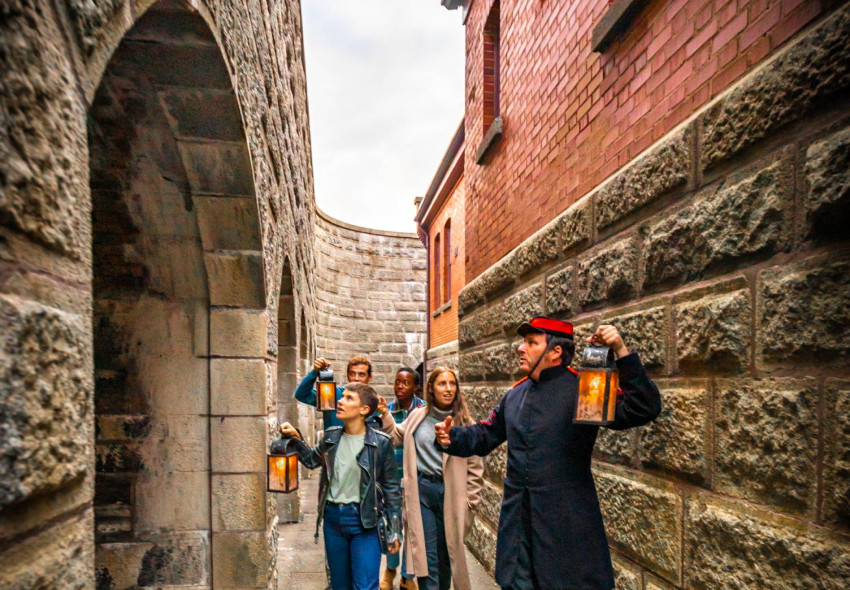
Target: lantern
point(282, 469)
point(598, 382)
point(326, 391)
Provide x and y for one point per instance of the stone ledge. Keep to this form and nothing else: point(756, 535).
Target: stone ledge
point(615, 21)
point(491, 137)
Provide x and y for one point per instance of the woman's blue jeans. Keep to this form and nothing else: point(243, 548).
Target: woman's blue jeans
point(353, 552)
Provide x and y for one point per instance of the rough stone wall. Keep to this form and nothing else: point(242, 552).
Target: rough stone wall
point(722, 255)
point(53, 57)
point(371, 299)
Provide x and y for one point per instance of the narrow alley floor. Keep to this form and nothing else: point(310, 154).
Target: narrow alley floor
point(301, 562)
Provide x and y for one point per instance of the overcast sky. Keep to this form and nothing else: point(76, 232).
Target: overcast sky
point(385, 85)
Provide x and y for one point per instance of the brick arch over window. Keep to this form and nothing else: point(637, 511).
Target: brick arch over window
point(180, 331)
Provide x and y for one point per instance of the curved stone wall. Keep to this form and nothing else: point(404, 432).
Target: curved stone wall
point(370, 298)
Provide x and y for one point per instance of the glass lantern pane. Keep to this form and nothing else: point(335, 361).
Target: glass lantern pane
point(277, 473)
point(591, 396)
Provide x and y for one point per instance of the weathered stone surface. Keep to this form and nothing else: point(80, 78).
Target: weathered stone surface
point(239, 502)
point(537, 251)
point(90, 19)
point(679, 440)
point(561, 292)
point(235, 280)
point(609, 274)
point(767, 440)
point(645, 332)
point(828, 176)
point(802, 312)
point(643, 520)
point(615, 446)
point(164, 560)
point(61, 556)
point(713, 334)
point(661, 170)
point(238, 444)
point(46, 436)
point(500, 276)
point(574, 226)
point(736, 547)
point(240, 560)
point(722, 225)
point(496, 463)
point(626, 575)
point(836, 487)
point(237, 387)
point(495, 361)
point(216, 216)
point(521, 307)
point(238, 333)
point(172, 501)
point(811, 71)
point(44, 187)
point(491, 504)
point(483, 399)
point(482, 542)
point(474, 329)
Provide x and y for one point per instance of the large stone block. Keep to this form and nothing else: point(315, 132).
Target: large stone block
point(767, 441)
point(172, 501)
point(521, 307)
point(60, 556)
point(162, 560)
point(836, 486)
point(645, 331)
point(615, 446)
point(643, 520)
point(627, 576)
point(723, 225)
point(481, 400)
point(679, 440)
point(491, 504)
point(482, 543)
point(236, 279)
point(238, 444)
point(177, 443)
point(237, 387)
point(816, 68)
point(44, 176)
point(239, 502)
point(713, 334)
point(827, 205)
point(46, 435)
point(609, 274)
point(537, 251)
point(238, 333)
point(496, 361)
point(665, 167)
point(734, 547)
point(574, 226)
point(802, 312)
point(496, 464)
point(561, 292)
point(476, 328)
point(241, 560)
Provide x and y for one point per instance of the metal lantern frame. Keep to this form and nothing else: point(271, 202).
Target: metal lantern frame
point(283, 448)
point(597, 362)
point(326, 391)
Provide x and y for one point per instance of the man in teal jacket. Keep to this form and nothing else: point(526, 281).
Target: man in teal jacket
point(359, 370)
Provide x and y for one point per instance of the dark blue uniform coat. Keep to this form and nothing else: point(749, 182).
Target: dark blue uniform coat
point(550, 502)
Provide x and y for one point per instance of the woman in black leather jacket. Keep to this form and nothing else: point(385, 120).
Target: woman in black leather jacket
point(359, 485)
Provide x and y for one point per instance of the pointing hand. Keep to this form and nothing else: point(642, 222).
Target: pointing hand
point(442, 432)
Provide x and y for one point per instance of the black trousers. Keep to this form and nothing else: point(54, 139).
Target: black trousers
point(525, 578)
point(431, 495)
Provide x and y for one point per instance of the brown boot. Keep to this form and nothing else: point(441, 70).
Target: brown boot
point(387, 579)
point(408, 584)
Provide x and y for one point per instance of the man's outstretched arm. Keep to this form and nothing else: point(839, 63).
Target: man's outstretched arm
point(476, 439)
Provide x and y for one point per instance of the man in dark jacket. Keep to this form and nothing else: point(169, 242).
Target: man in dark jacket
point(551, 533)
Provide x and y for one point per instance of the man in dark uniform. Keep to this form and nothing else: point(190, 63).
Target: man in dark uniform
point(551, 534)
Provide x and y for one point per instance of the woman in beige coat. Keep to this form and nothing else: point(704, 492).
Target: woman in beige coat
point(439, 490)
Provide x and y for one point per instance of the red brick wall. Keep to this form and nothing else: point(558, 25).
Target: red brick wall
point(573, 117)
point(443, 328)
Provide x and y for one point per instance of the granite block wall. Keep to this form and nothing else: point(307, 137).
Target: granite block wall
point(721, 252)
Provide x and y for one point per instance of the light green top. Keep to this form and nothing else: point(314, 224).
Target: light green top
point(345, 482)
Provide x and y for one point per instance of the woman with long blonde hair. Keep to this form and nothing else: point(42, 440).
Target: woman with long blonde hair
point(439, 490)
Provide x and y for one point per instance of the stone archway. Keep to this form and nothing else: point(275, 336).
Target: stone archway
point(182, 374)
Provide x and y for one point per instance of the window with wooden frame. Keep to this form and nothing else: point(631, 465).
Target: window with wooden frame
point(447, 261)
point(437, 283)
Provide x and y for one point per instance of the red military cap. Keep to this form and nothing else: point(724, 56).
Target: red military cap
point(544, 325)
